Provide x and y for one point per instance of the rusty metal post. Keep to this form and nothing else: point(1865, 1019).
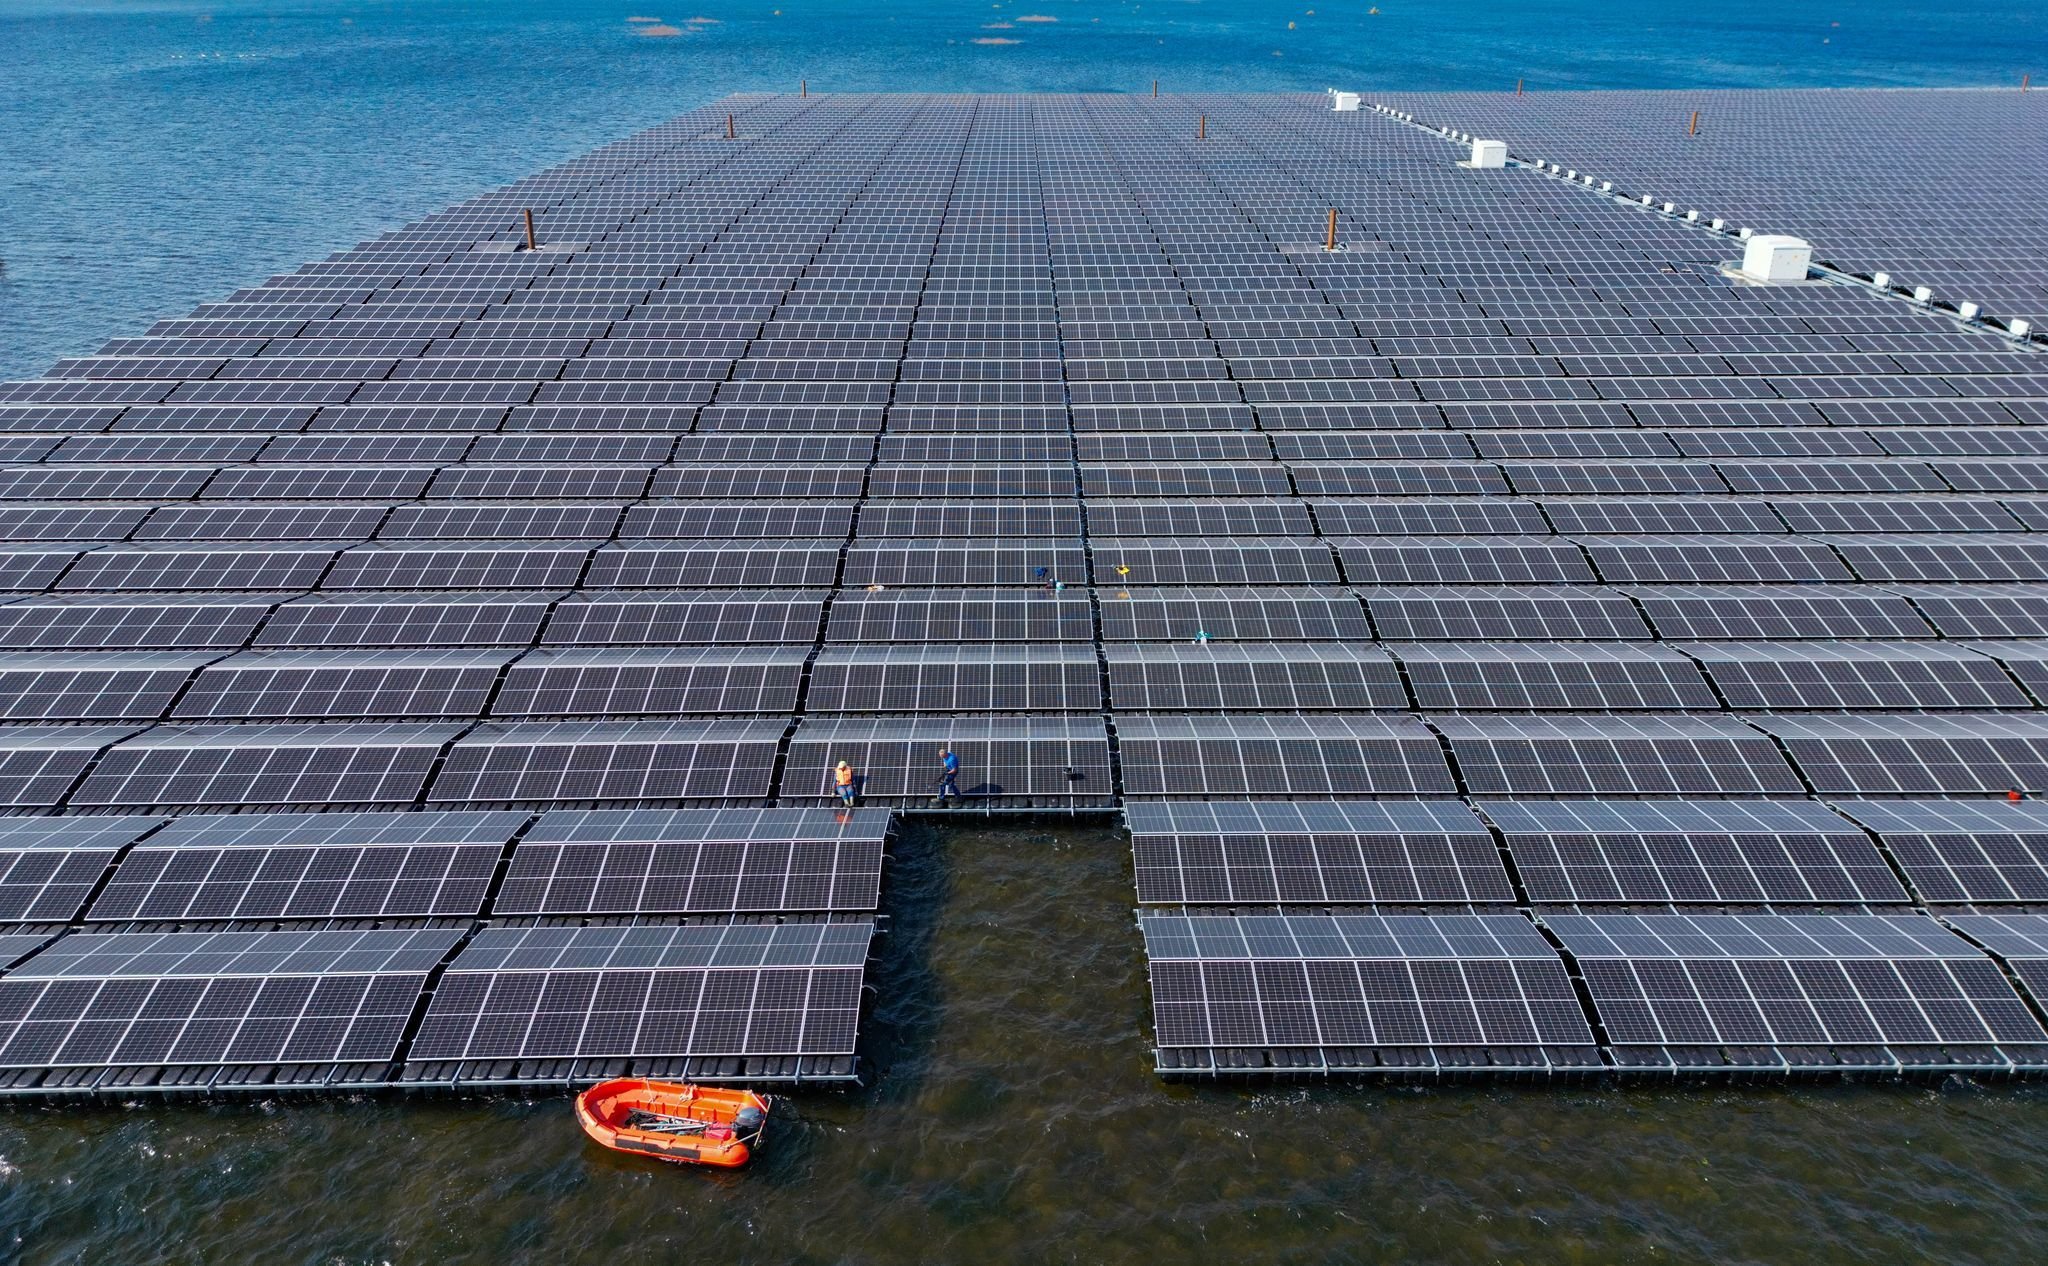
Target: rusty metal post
point(1202, 129)
point(530, 244)
point(803, 87)
point(1694, 130)
point(728, 127)
point(1330, 233)
point(1155, 87)
point(1518, 87)
point(2025, 79)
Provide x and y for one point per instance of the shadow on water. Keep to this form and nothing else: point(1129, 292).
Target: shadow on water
point(1011, 1115)
point(902, 1022)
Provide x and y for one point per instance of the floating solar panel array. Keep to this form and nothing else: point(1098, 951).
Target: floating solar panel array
point(1674, 593)
point(499, 614)
point(1923, 185)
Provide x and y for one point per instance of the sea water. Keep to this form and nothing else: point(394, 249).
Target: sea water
point(155, 154)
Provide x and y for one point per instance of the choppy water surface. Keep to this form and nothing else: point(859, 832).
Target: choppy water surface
point(155, 154)
point(158, 153)
point(1011, 1116)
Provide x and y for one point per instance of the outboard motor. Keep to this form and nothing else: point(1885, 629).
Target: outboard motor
point(748, 1120)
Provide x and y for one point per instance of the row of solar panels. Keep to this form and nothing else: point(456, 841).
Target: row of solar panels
point(442, 864)
point(1104, 432)
point(1938, 185)
point(1402, 560)
point(436, 864)
point(1695, 851)
point(622, 682)
point(1391, 478)
point(239, 951)
point(1087, 357)
point(1047, 761)
point(1045, 520)
point(351, 1008)
point(1416, 995)
point(1021, 433)
point(968, 618)
point(510, 393)
point(1982, 370)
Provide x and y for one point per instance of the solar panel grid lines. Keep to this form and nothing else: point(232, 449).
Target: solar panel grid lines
point(1729, 176)
point(298, 867)
point(1359, 985)
point(1030, 426)
point(1901, 984)
point(50, 867)
point(676, 992)
point(692, 861)
point(121, 999)
point(1318, 853)
point(1786, 852)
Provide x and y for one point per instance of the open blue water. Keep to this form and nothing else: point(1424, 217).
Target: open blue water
point(157, 153)
point(153, 155)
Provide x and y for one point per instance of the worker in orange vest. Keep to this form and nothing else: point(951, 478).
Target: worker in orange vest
point(842, 779)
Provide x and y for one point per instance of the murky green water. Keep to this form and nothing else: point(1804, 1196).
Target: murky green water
point(1011, 1116)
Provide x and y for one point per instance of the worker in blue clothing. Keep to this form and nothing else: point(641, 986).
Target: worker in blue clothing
point(949, 778)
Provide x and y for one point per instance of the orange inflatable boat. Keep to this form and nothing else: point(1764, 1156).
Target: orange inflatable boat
point(691, 1125)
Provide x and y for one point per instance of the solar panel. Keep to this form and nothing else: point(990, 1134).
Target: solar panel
point(940, 517)
point(264, 866)
point(1052, 760)
point(93, 685)
point(1453, 560)
point(609, 760)
point(1608, 755)
point(1714, 851)
point(1280, 755)
point(686, 616)
point(1838, 674)
point(649, 992)
point(1762, 980)
point(217, 998)
point(440, 618)
point(650, 681)
point(1777, 612)
point(991, 677)
point(337, 684)
point(1540, 613)
point(39, 763)
point(1338, 852)
point(1965, 610)
point(690, 861)
point(1712, 558)
point(1350, 983)
point(2020, 940)
point(1903, 754)
point(49, 866)
point(1250, 615)
point(1270, 676)
point(939, 616)
point(275, 764)
point(1962, 850)
point(1527, 676)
